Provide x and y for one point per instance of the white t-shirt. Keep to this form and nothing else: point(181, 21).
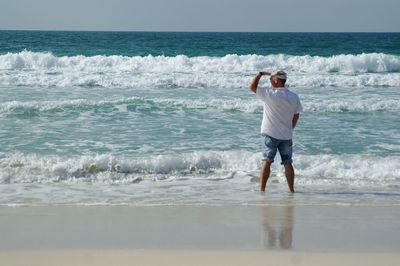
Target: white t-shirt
point(280, 105)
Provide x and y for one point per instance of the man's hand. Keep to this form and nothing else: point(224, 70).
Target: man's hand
point(264, 73)
point(254, 83)
point(295, 119)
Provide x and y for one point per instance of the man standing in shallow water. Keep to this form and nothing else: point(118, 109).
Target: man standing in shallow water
point(282, 109)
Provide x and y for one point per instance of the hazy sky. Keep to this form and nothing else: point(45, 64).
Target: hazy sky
point(201, 15)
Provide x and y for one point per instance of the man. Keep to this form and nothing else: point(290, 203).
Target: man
point(282, 109)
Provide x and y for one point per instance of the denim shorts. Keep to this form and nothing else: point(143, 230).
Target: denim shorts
point(271, 145)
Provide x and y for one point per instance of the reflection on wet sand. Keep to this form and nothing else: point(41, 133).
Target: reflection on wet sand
point(277, 225)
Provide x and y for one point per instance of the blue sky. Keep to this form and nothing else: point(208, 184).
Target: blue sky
point(201, 15)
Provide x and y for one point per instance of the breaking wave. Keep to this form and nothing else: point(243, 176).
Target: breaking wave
point(349, 170)
point(148, 105)
point(231, 71)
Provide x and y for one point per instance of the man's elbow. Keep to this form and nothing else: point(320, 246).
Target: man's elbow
point(253, 88)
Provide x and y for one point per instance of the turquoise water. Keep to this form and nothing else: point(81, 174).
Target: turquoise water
point(66, 43)
point(167, 118)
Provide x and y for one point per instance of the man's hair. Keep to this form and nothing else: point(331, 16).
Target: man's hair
point(283, 81)
point(280, 75)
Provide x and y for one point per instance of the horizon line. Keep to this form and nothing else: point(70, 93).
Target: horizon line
point(195, 31)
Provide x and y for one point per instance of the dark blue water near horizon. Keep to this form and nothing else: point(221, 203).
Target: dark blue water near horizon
point(87, 43)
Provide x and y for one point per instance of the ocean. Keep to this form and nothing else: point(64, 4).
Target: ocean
point(166, 118)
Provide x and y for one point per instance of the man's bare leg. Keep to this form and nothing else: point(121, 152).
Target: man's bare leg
point(289, 173)
point(264, 174)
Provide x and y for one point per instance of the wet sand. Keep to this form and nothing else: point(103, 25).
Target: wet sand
point(200, 235)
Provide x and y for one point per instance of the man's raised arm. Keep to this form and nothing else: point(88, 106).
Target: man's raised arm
point(256, 80)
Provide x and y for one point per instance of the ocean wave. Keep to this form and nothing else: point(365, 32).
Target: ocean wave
point(130, 104)
point(111, 169)
point(353, 106)
point(148, 105)
point(231, 71)
point(346, 170)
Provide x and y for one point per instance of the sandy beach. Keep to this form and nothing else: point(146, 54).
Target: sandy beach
point(144, 148)
point(200, 235)
point(185, 257)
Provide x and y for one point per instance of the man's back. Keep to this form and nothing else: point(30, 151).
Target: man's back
point(280, 105)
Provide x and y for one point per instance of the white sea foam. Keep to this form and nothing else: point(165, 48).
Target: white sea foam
point(110, 169)
point(120, 105)
point(326, 170)
point(194, 178)
point(349, 170)
point(227, 105)
point(352, 105)
point(231, 71)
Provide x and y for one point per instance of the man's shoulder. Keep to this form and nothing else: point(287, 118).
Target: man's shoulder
point(262, 90)
point(287, 89)
point(292, 93)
